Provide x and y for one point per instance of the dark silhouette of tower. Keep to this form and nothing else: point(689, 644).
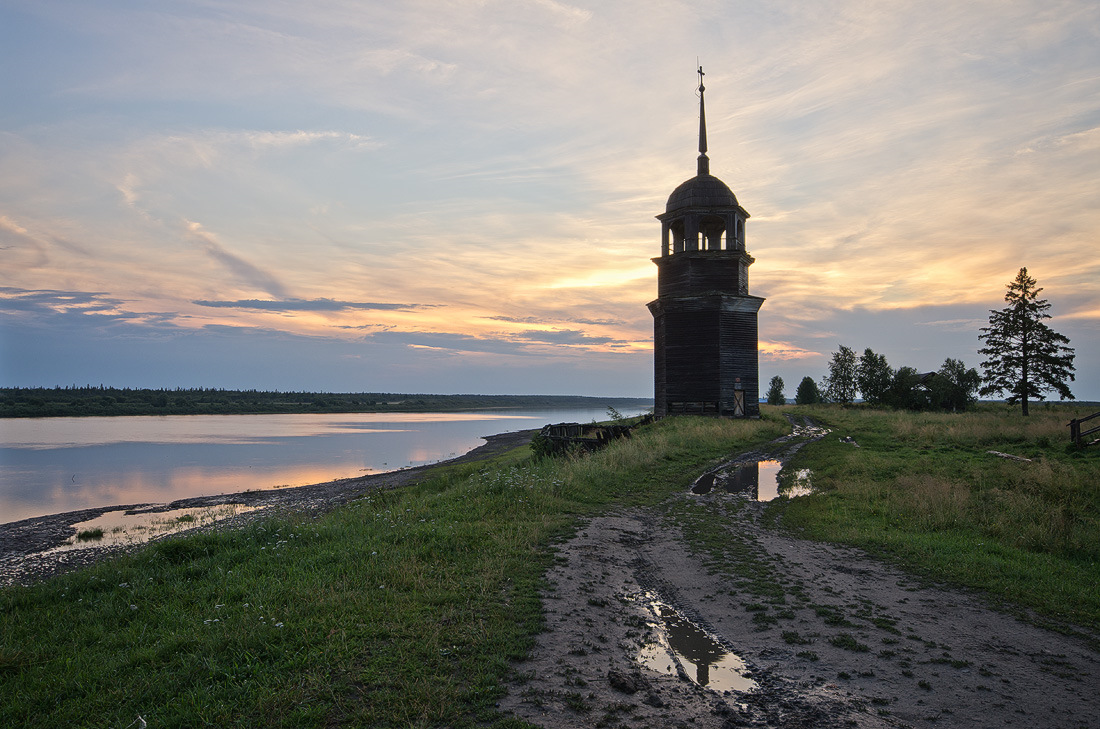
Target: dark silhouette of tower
point(704, 320)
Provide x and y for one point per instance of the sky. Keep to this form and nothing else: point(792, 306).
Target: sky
point(459, 197)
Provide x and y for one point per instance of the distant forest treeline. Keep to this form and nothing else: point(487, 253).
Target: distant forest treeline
point(20, 402)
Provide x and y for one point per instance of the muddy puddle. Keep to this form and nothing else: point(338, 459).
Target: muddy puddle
point(757, 480)
point(124, 528)
point(684, 647)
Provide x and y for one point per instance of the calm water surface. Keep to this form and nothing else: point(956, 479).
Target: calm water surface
point(52, 465)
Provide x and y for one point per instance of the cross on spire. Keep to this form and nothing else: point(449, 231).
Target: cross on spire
point(704, 161)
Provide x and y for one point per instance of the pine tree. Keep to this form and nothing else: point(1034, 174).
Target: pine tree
point(1025, 357)
point(775, 391)
point(807, 393)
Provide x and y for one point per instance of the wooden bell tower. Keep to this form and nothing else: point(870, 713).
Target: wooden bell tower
point(705, 358)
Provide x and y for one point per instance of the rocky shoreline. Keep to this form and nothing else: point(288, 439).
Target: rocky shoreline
point(25, 545)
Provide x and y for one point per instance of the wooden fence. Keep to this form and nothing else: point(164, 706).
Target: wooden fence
point(1078, 436)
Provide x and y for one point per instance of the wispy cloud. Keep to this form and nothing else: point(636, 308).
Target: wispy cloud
point(246, 272)
point(50, 310)
point(780, 351)
point(531, 343)
point(276, 139)
point(15, 299)
point(562, 336)
point(18, 248)
point(286, 305)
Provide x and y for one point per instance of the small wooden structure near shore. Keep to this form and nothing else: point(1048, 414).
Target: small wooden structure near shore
point(563, 437)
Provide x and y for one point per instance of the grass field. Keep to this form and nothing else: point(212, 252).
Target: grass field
point(924, 489)
point(406, 607)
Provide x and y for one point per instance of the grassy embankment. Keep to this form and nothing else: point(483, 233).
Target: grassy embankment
point(402, 609)
point(923, 489)
point(405, 608)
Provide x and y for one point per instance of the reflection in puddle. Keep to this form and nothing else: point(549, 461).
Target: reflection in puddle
point(758, 480)
point(683, 643)
point(800, 485)
point(137, 526)
point(767, 480)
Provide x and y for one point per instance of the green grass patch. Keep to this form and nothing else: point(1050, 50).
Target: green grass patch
point(405, 608)
point(730, 555)
point(832, 616)
point(923, 489)
point(793, 637)
point(89, 535)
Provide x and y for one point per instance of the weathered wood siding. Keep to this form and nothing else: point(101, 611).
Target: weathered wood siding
point(701, 272)
point(705, 335)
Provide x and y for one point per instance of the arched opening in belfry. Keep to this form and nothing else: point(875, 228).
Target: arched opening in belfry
point(676, 228)
point(712, 228)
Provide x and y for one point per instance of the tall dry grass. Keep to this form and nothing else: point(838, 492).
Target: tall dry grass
point(932, 487)
point(989, 424)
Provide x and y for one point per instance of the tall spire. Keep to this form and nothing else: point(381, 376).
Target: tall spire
point(704, 161)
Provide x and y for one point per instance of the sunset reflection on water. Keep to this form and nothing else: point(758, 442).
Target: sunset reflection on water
point(52, 465)
point(229, 429)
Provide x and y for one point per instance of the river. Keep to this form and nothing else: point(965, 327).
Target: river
point(53, 465)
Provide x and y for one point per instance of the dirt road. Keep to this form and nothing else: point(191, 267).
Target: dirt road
point(698, 613)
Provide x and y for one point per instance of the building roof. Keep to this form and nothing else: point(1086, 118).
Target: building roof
point(701, 191)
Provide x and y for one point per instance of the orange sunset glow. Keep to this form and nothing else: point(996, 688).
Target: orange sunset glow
point(461, 197)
